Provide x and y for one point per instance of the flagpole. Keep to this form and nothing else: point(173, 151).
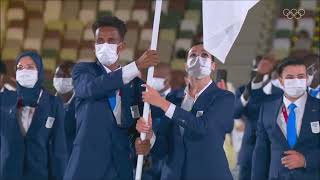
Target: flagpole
point(146, 107)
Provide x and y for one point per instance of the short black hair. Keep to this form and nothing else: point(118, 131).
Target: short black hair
point(289, 61)
point(3, 69)
point(201, 43)
point(111, 21)
point(67, 64)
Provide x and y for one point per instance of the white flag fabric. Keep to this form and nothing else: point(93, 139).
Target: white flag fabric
point(222, 22)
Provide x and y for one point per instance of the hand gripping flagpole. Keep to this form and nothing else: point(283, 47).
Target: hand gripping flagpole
point(146, 107)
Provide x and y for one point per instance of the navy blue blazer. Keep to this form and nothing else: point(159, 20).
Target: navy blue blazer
point(250, 112)
point(7, 99)
point(271, 143)
point(101, 148)
point(70, 124)
point(42, 153)
point(198, 153)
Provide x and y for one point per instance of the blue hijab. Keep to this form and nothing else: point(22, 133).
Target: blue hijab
point(29, 96)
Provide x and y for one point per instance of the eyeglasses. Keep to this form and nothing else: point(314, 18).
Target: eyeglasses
point(27, 67)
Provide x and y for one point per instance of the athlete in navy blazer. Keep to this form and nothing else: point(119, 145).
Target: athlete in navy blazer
point(195, 133)
point(247, 104)
point(276, 156)
point(63, 84)
point(101, 147)
point(38, 151)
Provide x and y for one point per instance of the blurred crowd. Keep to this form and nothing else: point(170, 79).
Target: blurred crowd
point(200, 127)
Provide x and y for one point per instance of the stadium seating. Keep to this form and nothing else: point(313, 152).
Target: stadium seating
point(61, 30)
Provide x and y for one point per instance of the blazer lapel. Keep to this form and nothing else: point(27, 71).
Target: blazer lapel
point(13, 122)
point(307, 118)
point(204, 98)
point(40, 116)
point(274, 112)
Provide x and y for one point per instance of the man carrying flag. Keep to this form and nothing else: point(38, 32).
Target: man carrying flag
point(107, 97)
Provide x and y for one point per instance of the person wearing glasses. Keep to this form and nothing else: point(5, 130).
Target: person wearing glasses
point(32, 133)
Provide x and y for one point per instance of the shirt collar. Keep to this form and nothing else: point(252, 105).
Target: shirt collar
point(166, 92)
point(318, 87)
point(108, 70)
point(267, 88)
point(299, 102)
point(199, 93)
point(9, 87)
point(69, 101)
point(2, 89)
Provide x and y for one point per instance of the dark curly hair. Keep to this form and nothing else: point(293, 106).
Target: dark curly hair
point(111, 21)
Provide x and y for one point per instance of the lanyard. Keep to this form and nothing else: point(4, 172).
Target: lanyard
point(285, 113)
point(39, 96)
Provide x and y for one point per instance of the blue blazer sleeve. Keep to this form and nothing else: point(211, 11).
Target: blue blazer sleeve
point(160, 147)
point(89, 86)
point(57, 145)
point(238, 107)
point(261, 154)
point(312, 159)
point(133, 98)
point(218, 116)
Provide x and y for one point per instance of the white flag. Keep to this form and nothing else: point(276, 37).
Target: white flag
point(222, 22)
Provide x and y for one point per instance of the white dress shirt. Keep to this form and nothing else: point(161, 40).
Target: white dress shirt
point(125, 77)
point(8, 87)
point(25, 118)
point(259, 85)
point(186, 103)
point(69, 101)
point(129, 72)
point(267, 89)
point(166, 92)
point(299, 111)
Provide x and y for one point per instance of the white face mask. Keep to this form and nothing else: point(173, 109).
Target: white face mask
point(158, 83)
point(63, 85)
point(27, 78)
point(199, 67)
point(106, 53)
point(276, 83)
point(295, 87)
